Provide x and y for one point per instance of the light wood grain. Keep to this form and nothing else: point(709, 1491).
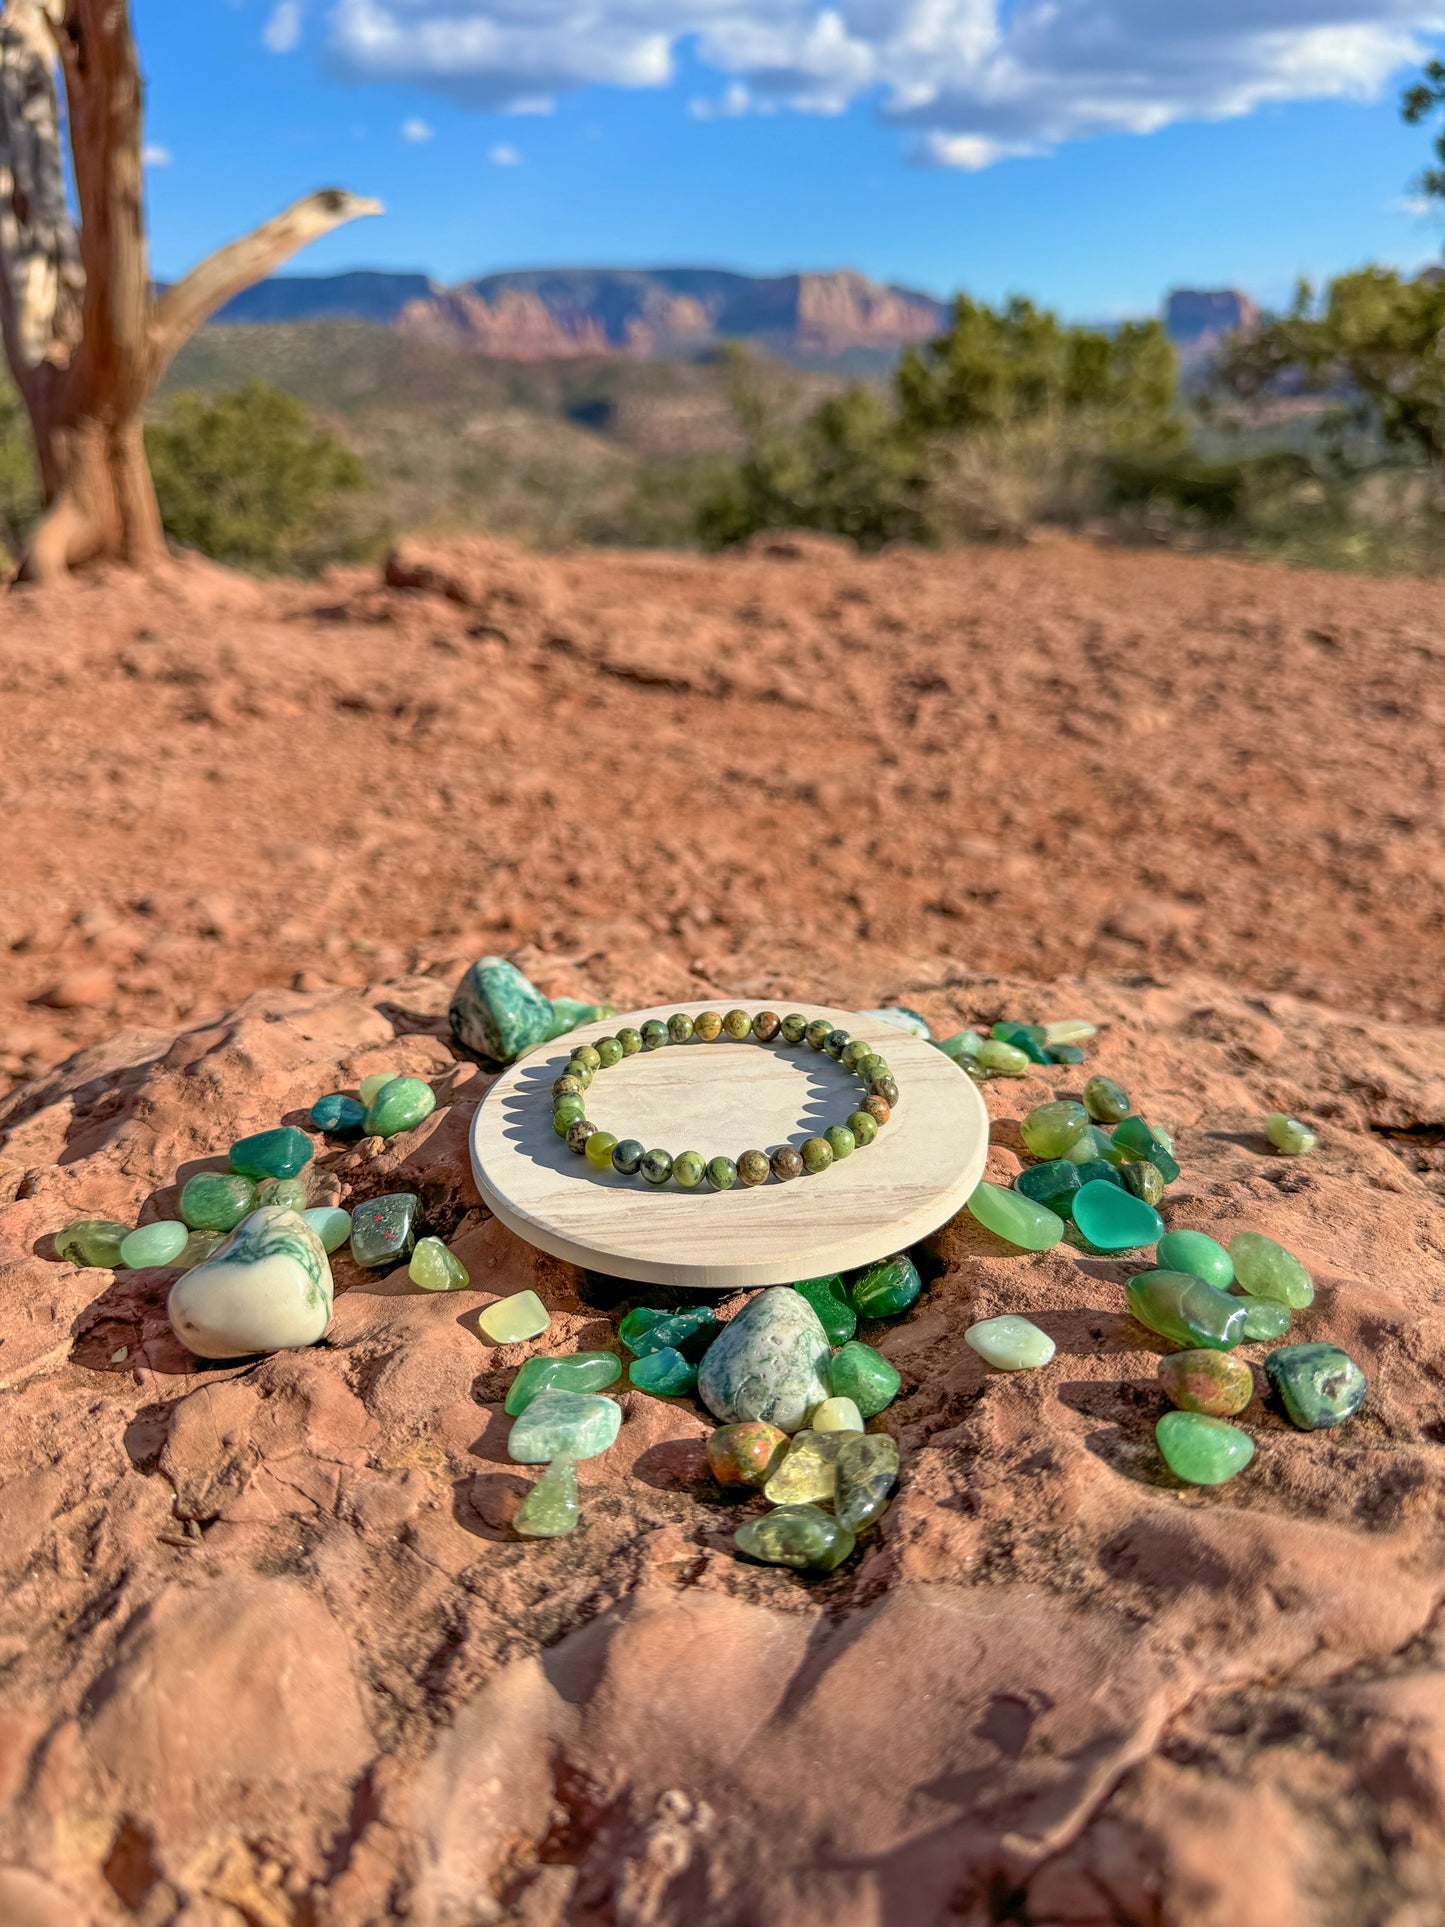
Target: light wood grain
point(728, 1098)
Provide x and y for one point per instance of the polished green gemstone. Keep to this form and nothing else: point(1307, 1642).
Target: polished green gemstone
point(654, 1034)
point(794, 1028)
point(1050, 1129)
point(1145, 1180)
point(1113, 1219)
point(338, 1115)
point(581, 1073)
point(722, 1173)
point(1318, 1385)
point(841, 1141)
point(766, 1025)
point(738, 1024)
point(753, 1168)
point(550, 1509)
point(587, 1054)
point(559, 1424)
point(864, 1473)
point(1180, 1306)
point(804, 1475)
point(836, 1415)
point(331, 1225)
point(817, 1155)
point(566, 1112)
point(1014, 1218)
point(853, 1053)
point(886, 1289)
point(1094, 1171)
point(1139, 1140)
point(282, 1194)
point(1029, 1038)
point(435, 1268)
point(599, 1148)
point(961, 1046)
point(864, 1127)
point(217, 1200)
point(1195, 1251)
point(567, 1086)
point(512, 1320)
point(1200, 1450)
point(745, 1453)
point(829, 1298)
point(1207, 1381)
point(92, 1243)
point(1050, 1184)
point(1065, 1054)
point(858, 1372)
point(272, 1154)
point(1264, 1319)
point(835, 1043)
point(609, 1052)
point(630, 1040)
point(154, 1244)
point(656, 1166)
point(886, 1088)
point(802, 1536)
point(818, 1033)
point(200, 1246)
point(369, 1086)
point(1266, 1270)
point(399, 1106)
point(665, 1373)
point(1105, 1101)
point(383, 1229)
point(627, 1157)
point(1011, 1344)
point(495, 1012)
point(707, 1026)
point(644, 1330)
point(1288, 1135)
point(1069, 1030)
point(571, 1372)
point(1096, 1143)
point(569, 1013)
point(689, 1168)
point(997, 1059)
point(679, 1027)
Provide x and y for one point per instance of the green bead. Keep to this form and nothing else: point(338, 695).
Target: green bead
point(858, 1372)
point(1105, 1101)
point(829, 1298)
point(567, 1086)
point(853, 1053)
point(272, 1154)
point(787, 1164)
point(1145, 1180)
point(722, 1173)
point(558, 1424)
point(665, 1373)
point(383, 1229)
point(754, 1168)
point(688, 1169)
point(679, 1027)
point(766, 1025)
point(654, 1034)
point(998, 1059)
point(578, 1135)
point(154, 1244)
point(630, 1040)
point(885, 1088)
point(886, 1289)
point(835, 1043)
point(587, 1054)
point(1266, 1270)
point(707, 1026)
point(1288, 1135)
point(1113, 1219)
point(496, 1013)
point(841, 1141)
point(609, 1052)
point(1196, 1252)
point(550, 1509)
point(1200, 1450)
point(399, 1106)
point(806, 1472)
point(818, 1033)
point(513, 1320)
point(567, 1111)
point(331, 1225)
point(92, 1243)
point(644, 1330)
point(338, 1115)
point(1264, 1319)
point(817, 1154)
point(1139, 1140)
point(1180, 1306)
point(627, 1157)
point(1014, 1218)
point(1011, 1344)
point(200, 1246)
point(283, 1194)
point(1050, 1184)
point(794, 1027)
point(1050, 1129)
point(571, 1372)
point(1318, 1385)
point(738, 1024)
point(864, 1473)
point(435, 1268)
point(656, 1166)
point(599, 1148)
point(1206, 1381)
point(217, 1200)
point(580, 1073)
point(801, 1536)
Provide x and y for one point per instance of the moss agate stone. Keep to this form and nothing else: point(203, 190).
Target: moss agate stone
point(217, 1200)
point(768, 1362)
point(1318, 1385)
point(281, 1153)
point(1113, 1219)
point(801, 1536)
point(1197, 1252)
point(338, 1115)
point(550, 1509)
point(1139, 1140)
point(383, 1229)
point(558, 1424)
point(1207, 1381)
point(496, 1013)
point(434, 1268)
point(1017, 1219)
point(864, 1473)
point(1266, 1270)
point(267, 1288)
point(1105, 1101)
point(508, 1321)
point(92, 1243)
point(399, 1106)
point(1200, 1450)
point(1050, 1129)
point(804, 1476)
point(886, 1289)
point(1288, 1135)
point(154, 1244)
point(331, 1224)
point(664, 1373)
point(1180, 1306)
point(745, 1454)
point(1010, 1344)
point(829, 1299)
point(287, 1194)
point(858, 1372)
point(1264, 1319)
point(571, 1372)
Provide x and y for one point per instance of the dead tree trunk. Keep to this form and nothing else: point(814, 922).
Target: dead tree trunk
point(86, 339)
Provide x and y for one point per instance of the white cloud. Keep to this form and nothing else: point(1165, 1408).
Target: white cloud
point(971, 81)
point(417, 131)
point(504, 156)
point(156, 156)
point(282, 31)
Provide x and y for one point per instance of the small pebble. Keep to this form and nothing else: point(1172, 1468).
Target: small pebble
point(1105, 1101)
point(1069, 1031)
point(1012, 1344)
point(383, 1229)
point(1288, 1135)
point(558, 1424)
point(281, 1153)
point(1180, 1306)
point(369, 1086)
point(1113, 1219)
point(569, 1372)
point(284, 1194)
point(1050, 1129)
point(510, 1320)
point(1318, 1385)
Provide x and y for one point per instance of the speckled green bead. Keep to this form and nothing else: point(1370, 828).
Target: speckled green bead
point(656, 1166)
point(572, 1372)
point(1145, 1180)
point(754, 1168)
point(817, 1155)
point(579, 1135)
point(737, 1024)
point(1140, 1140)
point(581, 1072)
point(627, 1156)
point(835, 1043)
point(92, 1243)
point(859, 1372)
point(841, 1140)
point(1180, 1306)
point(1266, 1270)
point(854, 1051)
point(567, 1086)
point(551, 1509)
point(154, 1244)
point(217, 1200)
point(722, 1173)
point(1050, 1129)
point(599, 1148)
point(630, 1040)
point(787, 1164)
point(818, 1033)
point(285, 1194)
point(801, 1536)
point(1200, 1450)
point(864, 1127)
point(1288, 1135)
point(654, 1034)
point(1015, 1218)
point(400, 1106)
point(689, 1168)
point(609, 1052)
point(707, 1026)
point(1197, 1252)
point(1105, 1101)
point(587, 1054)
point(567, 1111)
point(794, 1027)
point(679, 1027)
point(886, 1289)
point(829, 1298)
point(766, 1024)
point(886, 1088)
point(271, 1154)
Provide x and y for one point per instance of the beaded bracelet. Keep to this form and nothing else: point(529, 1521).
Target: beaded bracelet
point(689, 1168)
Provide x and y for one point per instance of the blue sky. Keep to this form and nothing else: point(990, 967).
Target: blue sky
point(1092, 153)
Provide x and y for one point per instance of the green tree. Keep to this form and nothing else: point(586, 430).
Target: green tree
point(246, 478)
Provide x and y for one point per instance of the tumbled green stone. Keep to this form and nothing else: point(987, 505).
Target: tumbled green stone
point(722, 1173)
point(496, 1013)
point(1264, 1319)
point(793, 1028)
point(1318, 1385)
point(200, 1246)
point(384, 1229)
point(679, 1027)
point(271, 1154)
point(154, 1244)
point(645, 1330)
point(435, 1268)
point(331, 1225)
point(284, 1194)
point(609, 1052)
point(92, 1243)
point(1200, 1450)
point(902, 1018)
point(1065, 1054)
point(801, 1536)
point(841, 1141)
point(571, 1372)
point(1015, 1218)
point(654, 1034)
point(818, 1032)
point(1096, 1143)
point(508, 1321)
point(745, 1453)
point(1050, 1183)
point(550, 1509)
point(864, 1473)
point(1195, 1251)
point(753, 1168)
point(1207, 1381)
point(630, 1040)
point(829, 1298)
point(1069, 1030)
point(858, 1372)
point(569, 1013)
point(559, 1424)
point(1141, 1141)
point(689, 1168)
point(1092, 1171)
point(963, 1044)
point(738, 1024)
point(399, 1106)
point(805, 1473)
point(627, 1157)
point(338, 1115)
point(1049, 1129)
point(1266, 1270)
point(1145, 1180)
point(656, 1166)
point(886, 1289)
point(817, 1155)
point(1105, 1101)
point(864, 1127)
point(1076, 1240)
point(217, 1200)
point(1182, 1307)
point(998, 1059)
point(665, 1373)
point(1288, 1135)
point(1029, 1038)
point(835, 1415)
point(1113, 1218)
point(599, 1148)
point(1011, 1344)
point(369, 1086)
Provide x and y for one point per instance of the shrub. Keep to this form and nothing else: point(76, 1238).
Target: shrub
point(19, 482)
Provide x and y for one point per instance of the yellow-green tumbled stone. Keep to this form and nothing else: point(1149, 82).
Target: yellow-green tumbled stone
point(1014, 1218)
point(1050, 1129)
point(997, 1059)
point(435, 1268)
point(369, 1086)
point(550, 1509)
point(154, 1244)
point(865, 1473)
point(738, 1024)
point(1288, 1135)
point(510, 1320)
point(805, 1475)
point(802, 1536)
point(1266, 1270)
point(92, 1243)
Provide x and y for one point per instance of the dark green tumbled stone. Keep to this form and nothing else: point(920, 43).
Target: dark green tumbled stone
point(829, 1298)
point(271, 1154)
point(722, 1173)
point(859, 1372)
point(656, 1166)
point(793, 1028)
point(1051, 1183)
point(886, 1289)
point(1096, 1171)
point(802, 1536)
point(217, 1201)
point(1105, 1101)
point(627, 1157)
point(383, 1230)
point(654, 1034)
point(1318, 1385)
point(1263, 1319)
point(665, 1373)
point(338, 1115)
point(691, 1331)
point(1029, 1038)
point(1180, 1306)
point(1141, 1141)
point(1065, 1054)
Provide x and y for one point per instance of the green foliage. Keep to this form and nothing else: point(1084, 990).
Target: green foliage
point(1417, 104)
point(19, 482)
point(247, 479)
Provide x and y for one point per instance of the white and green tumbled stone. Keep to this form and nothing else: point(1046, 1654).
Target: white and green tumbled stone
point(768, 1362)
point(559, 1424)
point(902, 1018)
point(550, 1509)
point(1010, 1343)
point(267, 1288)
point(496, 1013)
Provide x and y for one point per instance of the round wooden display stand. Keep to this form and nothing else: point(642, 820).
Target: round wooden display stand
point(727, 1098)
